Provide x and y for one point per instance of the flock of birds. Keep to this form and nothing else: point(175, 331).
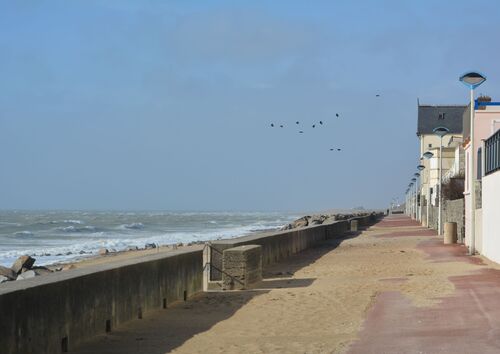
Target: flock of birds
point(314, 126)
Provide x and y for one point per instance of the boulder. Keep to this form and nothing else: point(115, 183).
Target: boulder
point(132, 248)
point(103, 251)
point(41, 270)
point(302, 222)
point(26, 275)
point(149, 246)
point(8, 273)
point(3, 279)
point(316, 219)
point(23, 262)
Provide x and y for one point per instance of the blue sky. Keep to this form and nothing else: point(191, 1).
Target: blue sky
point(167, 104)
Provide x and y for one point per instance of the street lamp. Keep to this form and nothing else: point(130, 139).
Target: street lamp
point(428, 155)
point(410, 201)
point(472, 80)
point(440, 131)
point(417, 210)
point(414, 184)
point(420, 168)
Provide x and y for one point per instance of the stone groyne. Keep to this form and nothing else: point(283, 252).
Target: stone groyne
point(59, 311)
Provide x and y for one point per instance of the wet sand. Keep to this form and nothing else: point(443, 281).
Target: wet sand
point(318, 302)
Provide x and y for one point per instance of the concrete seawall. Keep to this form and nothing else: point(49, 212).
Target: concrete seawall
point(57, 312)
point(278, 246)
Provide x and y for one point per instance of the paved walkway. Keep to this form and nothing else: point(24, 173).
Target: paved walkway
point(392, 289)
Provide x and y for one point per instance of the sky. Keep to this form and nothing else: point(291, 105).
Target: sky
point(167, 105)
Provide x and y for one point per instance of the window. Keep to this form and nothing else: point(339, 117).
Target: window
point(441, 116)
point(430, 145)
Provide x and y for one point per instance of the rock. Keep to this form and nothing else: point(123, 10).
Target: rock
point(68, 267)
point(132, 248)
point(8, 273)
point(41, 270)
point(103, 251)
point(27, 275)
point(330, 220)
point(23, 262)
point(316, 220)
point(3, 279)
point(149, 246)
point(302, 222)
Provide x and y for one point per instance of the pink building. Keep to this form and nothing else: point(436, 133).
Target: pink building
point(486, 122)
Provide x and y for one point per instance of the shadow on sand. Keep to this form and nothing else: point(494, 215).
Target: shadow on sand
point(160, 332)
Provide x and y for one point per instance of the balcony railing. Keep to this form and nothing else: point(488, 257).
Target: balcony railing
point(492, 153)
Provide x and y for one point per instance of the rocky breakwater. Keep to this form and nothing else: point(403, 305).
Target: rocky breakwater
point(318, 219)
point(23, 268)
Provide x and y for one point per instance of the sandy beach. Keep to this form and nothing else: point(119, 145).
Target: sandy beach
point(315, 303)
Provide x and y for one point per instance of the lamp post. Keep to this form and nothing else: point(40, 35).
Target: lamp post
point(472, 80)
point(410, 201)
point(440, 131)
point(407, 204)
point(417, 175)
point(420, 168)
point(414, 204)
point(428, 155)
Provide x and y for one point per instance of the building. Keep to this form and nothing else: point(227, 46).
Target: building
point(486, 124)
point(429, 118)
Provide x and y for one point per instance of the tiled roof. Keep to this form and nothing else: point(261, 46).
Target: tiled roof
point(433, 116)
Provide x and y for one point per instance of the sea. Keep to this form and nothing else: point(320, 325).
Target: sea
point(66, 236)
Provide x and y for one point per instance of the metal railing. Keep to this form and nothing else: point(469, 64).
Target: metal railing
point(492, 154)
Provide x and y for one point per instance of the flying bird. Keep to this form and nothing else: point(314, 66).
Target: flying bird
point(301, 132)
point(377, 95)
point(339, 149)
point(337, 115)
point(321, 122)
point(272, 124)
point(297, 122)
point(314, 125)
point(281, 126)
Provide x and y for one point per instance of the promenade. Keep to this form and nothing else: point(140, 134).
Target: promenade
point(393, 288)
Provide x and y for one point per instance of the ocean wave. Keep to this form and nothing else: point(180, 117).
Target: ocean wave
point(73, 228)
point(24, 234)
point(132, 226)
point(84, 240)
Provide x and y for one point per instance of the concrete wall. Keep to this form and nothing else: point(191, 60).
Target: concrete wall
point(453, 211)
point(278, 246)
point(36, 314)
point(491, 217)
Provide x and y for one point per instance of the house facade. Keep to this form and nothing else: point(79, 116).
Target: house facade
point(429, 118)
point(486, 124)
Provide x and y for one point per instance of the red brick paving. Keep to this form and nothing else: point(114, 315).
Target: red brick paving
point(466, 322)
point(397, 221)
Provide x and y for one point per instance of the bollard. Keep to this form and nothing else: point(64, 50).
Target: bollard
point(354, 225)
point(450, 233)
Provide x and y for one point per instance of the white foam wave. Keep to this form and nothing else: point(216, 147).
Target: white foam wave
point(24, 234)
point(94, 241)
point(73, 228)
point(132, 226)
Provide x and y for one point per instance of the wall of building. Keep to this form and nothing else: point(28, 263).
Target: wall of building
point(453, 211)
point(491, 216)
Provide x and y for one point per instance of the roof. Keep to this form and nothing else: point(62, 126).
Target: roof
point(433, 116)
